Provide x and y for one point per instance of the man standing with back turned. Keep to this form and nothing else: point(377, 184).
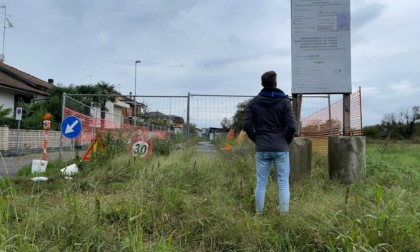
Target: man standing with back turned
point(270, 123)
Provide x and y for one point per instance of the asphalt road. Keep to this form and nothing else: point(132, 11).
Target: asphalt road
point(11, 165)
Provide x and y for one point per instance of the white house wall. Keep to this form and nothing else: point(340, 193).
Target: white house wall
point(117, 114)
point(109, 115)
point(114, 112)
point(7, 99)
point(121, 104)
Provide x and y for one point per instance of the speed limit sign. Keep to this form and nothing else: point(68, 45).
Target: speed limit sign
point(141, 147)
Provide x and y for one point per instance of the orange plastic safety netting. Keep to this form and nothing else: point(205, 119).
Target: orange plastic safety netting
point(328, 121)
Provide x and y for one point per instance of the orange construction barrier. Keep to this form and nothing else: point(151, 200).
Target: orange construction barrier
point(241, 136)
point(230, 135)
point(47, 125)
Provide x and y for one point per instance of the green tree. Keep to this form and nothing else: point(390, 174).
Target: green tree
point(226, 123)
point(4, 118)
point(33, 115)
point(4, 112)
point(192, 129)
point(373, 131)
point(401, 124)
point(54, 105)
point(87, 101)
point(107, 93)
point(144, 113)
point(237, 119)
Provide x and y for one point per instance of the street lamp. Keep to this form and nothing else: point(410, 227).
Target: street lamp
point(135, 91)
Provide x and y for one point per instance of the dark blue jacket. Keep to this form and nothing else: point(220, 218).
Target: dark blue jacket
point(269, 121)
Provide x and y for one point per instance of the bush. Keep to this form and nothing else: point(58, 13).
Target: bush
point(162, 147)
point(372, 131)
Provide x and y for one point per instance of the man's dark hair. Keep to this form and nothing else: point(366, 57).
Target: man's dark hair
point(269, 79)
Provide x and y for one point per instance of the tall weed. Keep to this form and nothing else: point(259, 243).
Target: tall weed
point(194, 201)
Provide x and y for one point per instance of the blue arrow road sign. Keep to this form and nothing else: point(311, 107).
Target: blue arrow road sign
point(71, 127)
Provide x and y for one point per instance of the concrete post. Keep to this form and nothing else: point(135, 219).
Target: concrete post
point(346, 158)
point(300, 158)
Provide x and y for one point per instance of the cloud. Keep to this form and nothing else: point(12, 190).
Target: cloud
point(213, 47)
point(221, 62)
point(404, 88)
point(366, 14)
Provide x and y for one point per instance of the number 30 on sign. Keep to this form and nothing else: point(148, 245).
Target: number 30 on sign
point(141, 147)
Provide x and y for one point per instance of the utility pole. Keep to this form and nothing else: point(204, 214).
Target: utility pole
point(90, 79)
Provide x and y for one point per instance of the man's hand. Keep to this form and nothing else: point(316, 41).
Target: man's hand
point(290, 134)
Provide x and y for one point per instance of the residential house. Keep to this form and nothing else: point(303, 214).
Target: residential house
point(159, 118)
point(200, 132)
point(124, 106)
point(215, 133)
point(176, 123)
point(17, 86)
point(118, 110)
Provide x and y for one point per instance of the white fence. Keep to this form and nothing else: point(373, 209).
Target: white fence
point(28, 139)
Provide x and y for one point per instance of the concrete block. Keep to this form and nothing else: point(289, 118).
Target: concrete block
point(346, 158)
point(300, 158)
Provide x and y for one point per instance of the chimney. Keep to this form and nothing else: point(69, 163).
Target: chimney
point(51, 81)
point(131, 96)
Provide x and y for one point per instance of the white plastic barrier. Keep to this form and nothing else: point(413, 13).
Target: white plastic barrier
point(39, 166)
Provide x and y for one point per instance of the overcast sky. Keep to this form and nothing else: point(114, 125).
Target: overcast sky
point(207, 47)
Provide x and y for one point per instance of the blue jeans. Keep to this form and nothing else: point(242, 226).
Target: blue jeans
point(282, 166)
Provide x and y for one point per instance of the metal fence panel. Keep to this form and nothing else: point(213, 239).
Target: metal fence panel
point(320, 118)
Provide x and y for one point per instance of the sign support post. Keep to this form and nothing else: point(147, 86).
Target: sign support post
point(346, 115)
point(297, 106)
point(60, 153)
point(18, 118)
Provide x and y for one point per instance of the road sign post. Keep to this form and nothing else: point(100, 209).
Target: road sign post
point(18, 118)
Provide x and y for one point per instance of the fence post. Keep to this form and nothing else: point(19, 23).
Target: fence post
point(346, 114)
point(360, 108)
point(329, 113)
point(60, 153)
point(187, 134)
point(94, 124)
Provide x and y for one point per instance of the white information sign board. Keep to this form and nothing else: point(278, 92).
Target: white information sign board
point(321, 49)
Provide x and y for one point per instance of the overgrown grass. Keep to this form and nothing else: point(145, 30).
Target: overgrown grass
point(193, 201)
